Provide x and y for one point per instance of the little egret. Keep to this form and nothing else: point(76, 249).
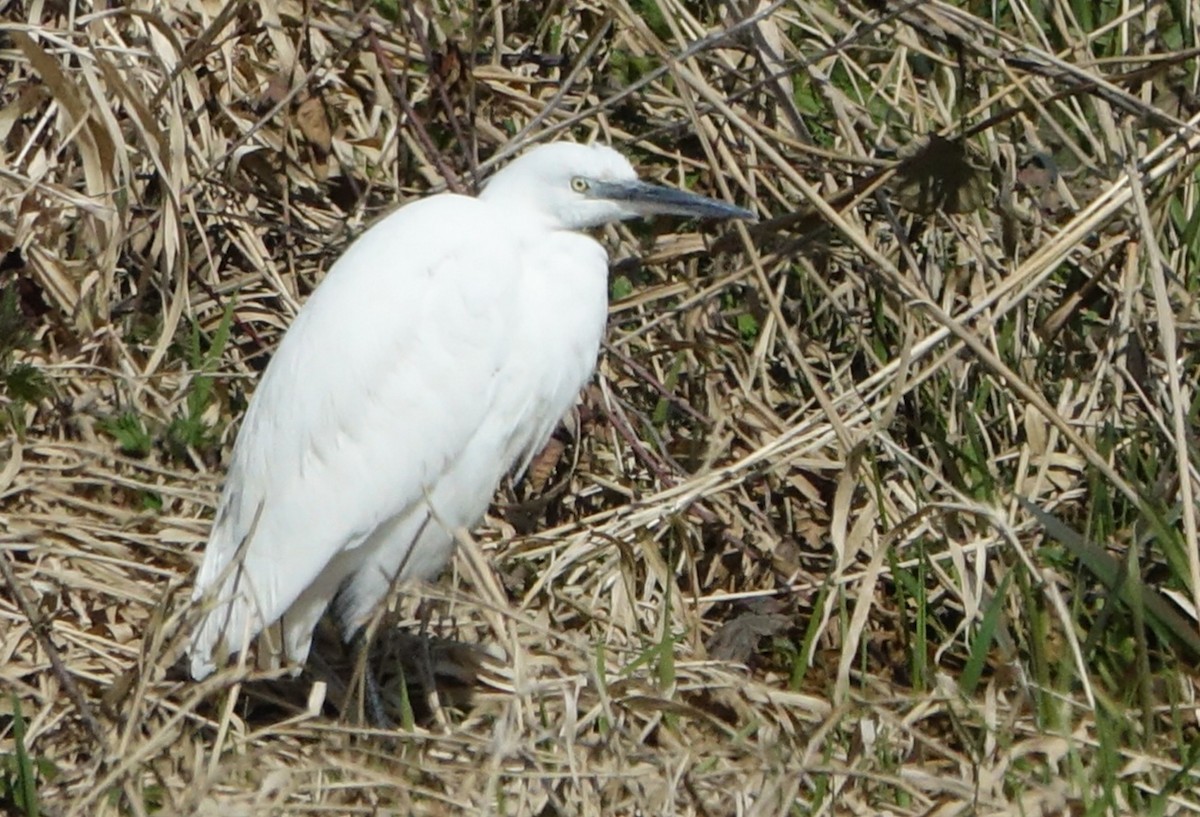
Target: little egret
point(439, 352)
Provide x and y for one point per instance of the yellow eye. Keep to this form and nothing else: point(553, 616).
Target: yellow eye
point(579, 184)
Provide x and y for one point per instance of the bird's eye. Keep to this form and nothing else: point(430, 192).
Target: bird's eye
point(579, 184)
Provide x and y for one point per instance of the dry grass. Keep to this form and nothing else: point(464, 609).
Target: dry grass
point(794, 556)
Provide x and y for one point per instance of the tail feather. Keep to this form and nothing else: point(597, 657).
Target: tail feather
point(226, 629)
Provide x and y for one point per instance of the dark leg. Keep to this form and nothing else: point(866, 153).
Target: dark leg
point(376, 712)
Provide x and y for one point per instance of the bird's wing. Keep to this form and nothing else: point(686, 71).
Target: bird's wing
point(383, 377)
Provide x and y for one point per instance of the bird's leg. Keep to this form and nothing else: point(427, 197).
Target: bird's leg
point(372, 691)
point(374, 702)
point(425, 667)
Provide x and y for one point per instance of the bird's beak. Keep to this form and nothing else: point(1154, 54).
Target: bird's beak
point(645, 199)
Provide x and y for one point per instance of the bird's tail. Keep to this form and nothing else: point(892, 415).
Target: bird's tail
point(230, 622)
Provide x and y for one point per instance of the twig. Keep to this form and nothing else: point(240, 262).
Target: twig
point(40, 626)
point(453, 183)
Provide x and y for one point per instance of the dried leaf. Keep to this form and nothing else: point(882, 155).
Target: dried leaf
point(738, 639)
point(542, 467)
point(314, 124)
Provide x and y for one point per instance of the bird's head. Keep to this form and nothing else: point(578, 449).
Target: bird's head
point(575, 187)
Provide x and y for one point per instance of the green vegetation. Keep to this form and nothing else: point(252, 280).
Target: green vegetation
point(189, 429)
point(19, 772)
point(21, 382)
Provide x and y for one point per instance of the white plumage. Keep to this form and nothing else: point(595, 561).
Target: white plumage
point(439, 352)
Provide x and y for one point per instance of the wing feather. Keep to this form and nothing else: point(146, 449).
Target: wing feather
point(379, 383)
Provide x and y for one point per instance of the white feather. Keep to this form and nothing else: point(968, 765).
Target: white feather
point(441, 349)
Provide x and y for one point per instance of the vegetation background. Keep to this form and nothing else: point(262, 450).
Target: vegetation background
point(884, 505)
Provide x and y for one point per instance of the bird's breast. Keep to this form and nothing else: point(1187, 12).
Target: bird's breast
point(562, 310)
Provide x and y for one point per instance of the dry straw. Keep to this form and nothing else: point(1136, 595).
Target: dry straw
point(790, 556)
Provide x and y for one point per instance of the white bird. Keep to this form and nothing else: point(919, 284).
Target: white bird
point(440, 351)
